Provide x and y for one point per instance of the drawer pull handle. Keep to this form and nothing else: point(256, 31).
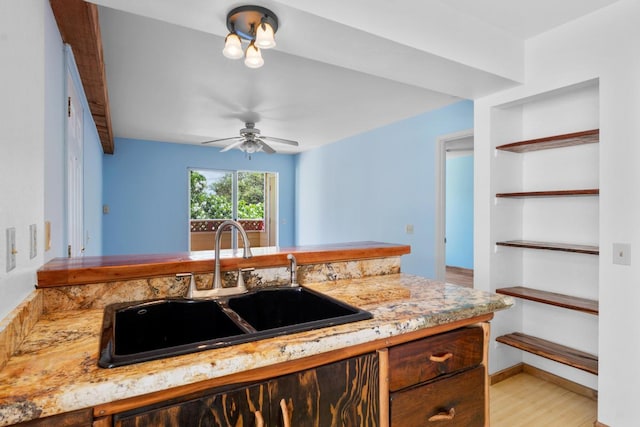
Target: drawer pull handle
point(259, 419)
point(286, 422)
point(440, 359)
point(443, 416)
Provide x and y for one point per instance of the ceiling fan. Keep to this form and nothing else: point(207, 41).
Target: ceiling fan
point(250, 141)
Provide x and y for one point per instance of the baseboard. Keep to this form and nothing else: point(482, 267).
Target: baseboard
point(506, 373)
point(599, 424)
point(460, 270)
point(547, 376)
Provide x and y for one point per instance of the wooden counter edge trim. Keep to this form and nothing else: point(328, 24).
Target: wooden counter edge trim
point(383, 364)
point(279, 369)
point(97, 274)
point(486, 339)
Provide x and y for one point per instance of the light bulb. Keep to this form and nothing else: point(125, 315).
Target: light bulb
point(265, 37)
point(253, 58)
point(232, 47)
point(250, 147)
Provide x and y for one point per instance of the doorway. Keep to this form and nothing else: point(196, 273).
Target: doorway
point(454, 208)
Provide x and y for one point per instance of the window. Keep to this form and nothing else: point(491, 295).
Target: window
point(247, 196)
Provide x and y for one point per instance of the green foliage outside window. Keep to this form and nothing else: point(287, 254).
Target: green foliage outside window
point(213, 200)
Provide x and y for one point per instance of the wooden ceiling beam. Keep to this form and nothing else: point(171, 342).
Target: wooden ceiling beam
point(80, 28)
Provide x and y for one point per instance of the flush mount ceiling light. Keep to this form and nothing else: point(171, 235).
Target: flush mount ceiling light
point(254, 24)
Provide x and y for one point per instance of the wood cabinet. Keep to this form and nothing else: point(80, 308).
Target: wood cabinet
point(242, 407)
point(440, 380)
point(344, 393)
point(452, 401)
point(81, 418)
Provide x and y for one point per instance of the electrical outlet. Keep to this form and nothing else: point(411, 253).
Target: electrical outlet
point(11, 248)
point(33, 241)
point(408, 228)
point(622, 253)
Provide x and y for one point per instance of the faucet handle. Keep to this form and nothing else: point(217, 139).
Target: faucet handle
point(293, 269)
point(191, 289)
point(240, 284)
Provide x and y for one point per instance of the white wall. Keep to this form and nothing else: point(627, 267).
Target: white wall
point(22, 136)
point(54, 145)
point(604, 46)
point(32, 140)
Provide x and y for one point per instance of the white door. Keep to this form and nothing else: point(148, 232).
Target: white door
point(75, 168)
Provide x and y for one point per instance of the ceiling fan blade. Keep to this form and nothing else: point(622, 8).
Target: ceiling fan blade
point(280, 140)
point(266, 148)
point(223, 139)
point(234, 145)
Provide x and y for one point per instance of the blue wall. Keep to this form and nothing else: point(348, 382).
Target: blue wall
point(146, 186)
point(370, 186)
point(459, 207)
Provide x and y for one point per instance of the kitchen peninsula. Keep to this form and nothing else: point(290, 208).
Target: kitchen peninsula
point(50, 342)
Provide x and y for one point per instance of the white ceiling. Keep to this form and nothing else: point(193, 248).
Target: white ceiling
point(341, 67)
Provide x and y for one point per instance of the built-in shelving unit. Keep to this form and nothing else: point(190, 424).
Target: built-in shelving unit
point(552, 298)
point(556, 141)
point(520, 340)
point(551, 246)
point(550, 350)
point(552, 193)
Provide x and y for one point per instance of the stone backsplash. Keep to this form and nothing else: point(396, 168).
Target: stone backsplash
point(99, 295)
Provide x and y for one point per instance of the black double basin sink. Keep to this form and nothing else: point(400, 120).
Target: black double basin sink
point(148, 330)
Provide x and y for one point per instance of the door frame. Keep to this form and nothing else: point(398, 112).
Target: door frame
point(74, 161)
point(441, 191)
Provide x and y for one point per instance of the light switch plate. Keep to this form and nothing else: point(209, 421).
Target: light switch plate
point(47, 235)
point(408, 228)
point(11, 248)
point(33, 241)
point(622, 253)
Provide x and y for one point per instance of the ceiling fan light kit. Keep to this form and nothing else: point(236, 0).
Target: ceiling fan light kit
point(253, 58)
point(232, 47)
point(254, 24)
point(251, 141)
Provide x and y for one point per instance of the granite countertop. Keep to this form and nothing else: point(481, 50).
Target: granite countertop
point(55, 368)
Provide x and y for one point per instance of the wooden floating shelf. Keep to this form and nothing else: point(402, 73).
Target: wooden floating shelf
point(556, 141)
point(553, 351)
point(553, 193)
point(559, 300)
point(563, 247)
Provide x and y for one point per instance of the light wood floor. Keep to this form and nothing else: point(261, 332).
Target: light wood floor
point(459, 276)
point(526, 401)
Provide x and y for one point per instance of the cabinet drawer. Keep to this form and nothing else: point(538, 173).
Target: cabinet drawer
point(451, 401)
point(425, 359)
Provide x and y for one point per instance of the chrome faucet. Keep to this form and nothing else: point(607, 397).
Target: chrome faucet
point(217, 290)
point(217, 280)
